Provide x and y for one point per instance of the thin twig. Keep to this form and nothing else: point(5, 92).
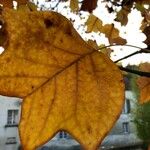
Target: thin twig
point(140, 73)
point(137, 52)
point(143, 50)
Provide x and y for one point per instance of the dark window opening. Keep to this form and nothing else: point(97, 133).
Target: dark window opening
point(125, 126)
point(11, 140)
point(127, 107)
point(12, 117)
point(62, 134)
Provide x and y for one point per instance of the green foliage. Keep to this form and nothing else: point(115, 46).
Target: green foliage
point(141, 113)
point(142, 122)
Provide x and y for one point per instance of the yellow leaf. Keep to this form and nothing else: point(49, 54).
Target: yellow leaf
point(110, 31)
point(22, 2)
point(122, 15)
point(88, 5)
point(146, 31)
point(144, 84)
point(9, 3)
point(93, 44)
point(112, 34)
point(93, 24)
point(106, 51)
point(65, 83)
point(32, 6)
point(143, 1)
point(140, 7)
point(74, 5)
point(101, 48)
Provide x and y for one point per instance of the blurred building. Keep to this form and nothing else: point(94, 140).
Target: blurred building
point(123, 133)
point(9, 119)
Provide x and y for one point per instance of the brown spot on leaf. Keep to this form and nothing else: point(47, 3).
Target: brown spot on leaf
point(89, 129)
point(8, 60)
point(48, 23)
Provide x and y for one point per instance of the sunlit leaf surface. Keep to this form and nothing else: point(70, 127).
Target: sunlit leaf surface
point(65, 83)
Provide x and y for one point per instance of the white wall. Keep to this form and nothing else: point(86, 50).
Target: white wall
point(6, 132)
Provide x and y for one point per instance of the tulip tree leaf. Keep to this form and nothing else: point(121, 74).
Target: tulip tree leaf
point(65, 83)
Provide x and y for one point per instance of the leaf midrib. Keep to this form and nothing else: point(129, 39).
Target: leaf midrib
point(60, 71)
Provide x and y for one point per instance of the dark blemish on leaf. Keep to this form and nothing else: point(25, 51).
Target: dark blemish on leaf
point(32, 87)
point(8, 60)
point(52, 101)
point(1, 22)
point(48, 23)
point(89, 129)
point(17, 74)
point(41, 105)
point(69, 31)
point(1, 9)
point(3, 34)
point(61, 40)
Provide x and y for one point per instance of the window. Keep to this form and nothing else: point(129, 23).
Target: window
point(127, 107)
point(11, 140)
point(62, 134)
point(125, 126)
point(13, 117)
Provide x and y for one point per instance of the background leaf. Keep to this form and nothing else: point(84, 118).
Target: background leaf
point(74, 6)
point(89, 5)
point(9, 3)
point(144, 84)
point(93, 24)
point(122, 15)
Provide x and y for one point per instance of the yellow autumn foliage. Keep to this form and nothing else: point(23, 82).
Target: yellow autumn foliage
point(94, 24)
point(65, 83)
point(144, 84)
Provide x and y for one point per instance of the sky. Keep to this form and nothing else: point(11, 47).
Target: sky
point(130, 32)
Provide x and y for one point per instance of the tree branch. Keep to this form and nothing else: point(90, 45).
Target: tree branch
point(143, 50)
point(140, 73)
point(137, 52)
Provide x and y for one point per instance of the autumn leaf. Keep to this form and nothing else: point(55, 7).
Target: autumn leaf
point(95, 24)
point(106, 51)
point(102, 48)
point(22, 2)
point(143, 1)
point(93, 44)
point(140, 7)
point(3, 34)
point(112, 34)
point(88, 5)
point(122, 15)
point(147, 33)
point(144, 84)
point(64, 82)
point(9, 3)
point(74, 6)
